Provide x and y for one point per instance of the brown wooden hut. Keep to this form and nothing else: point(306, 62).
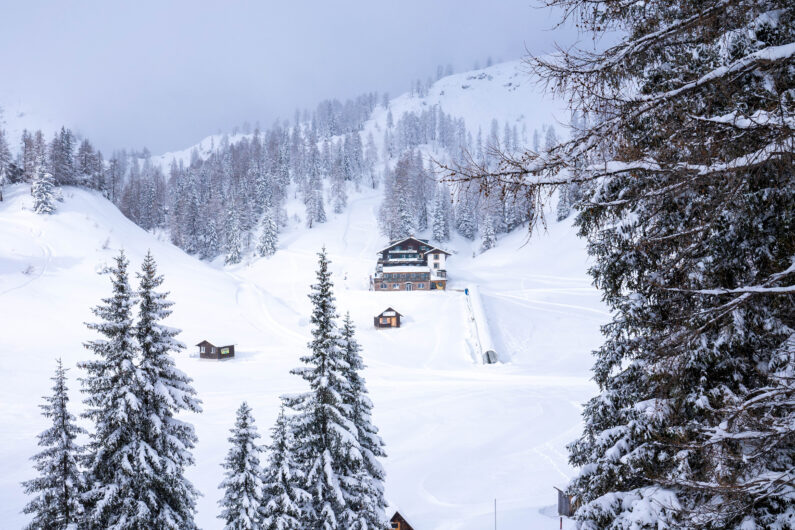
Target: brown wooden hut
point(389, 318)
point(399, 523)
point(208, 350)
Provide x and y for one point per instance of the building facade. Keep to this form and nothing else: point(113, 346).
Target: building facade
point(410, 264)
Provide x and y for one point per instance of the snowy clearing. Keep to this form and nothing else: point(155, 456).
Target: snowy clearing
point(459, 433)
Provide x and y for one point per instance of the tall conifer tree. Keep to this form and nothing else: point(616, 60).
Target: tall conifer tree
point(112, 497)
point(57, 504)
point(243, 488)
point(284, 495)
point(369, 503)
point(326, 443)
point(165, 392)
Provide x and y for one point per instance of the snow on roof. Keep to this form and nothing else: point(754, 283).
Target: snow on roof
point(424, 241)
point(217, 344)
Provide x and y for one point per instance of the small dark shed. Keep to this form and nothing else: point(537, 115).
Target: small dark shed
point(388, 319)
point(208, 350)
point(399, 523)
point(566, 506)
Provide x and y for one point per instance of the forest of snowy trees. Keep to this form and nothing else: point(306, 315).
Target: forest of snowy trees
point(684, 161)
point(231, 202)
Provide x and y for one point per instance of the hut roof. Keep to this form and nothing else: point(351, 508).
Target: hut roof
point(404, 525)
point(387, 310)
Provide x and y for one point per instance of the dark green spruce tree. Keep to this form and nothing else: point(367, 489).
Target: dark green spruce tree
point(170, 498)
point(56, 504)
point(283, 494)
point(369, 502)
point(686, 166)
point(327, 448)
point(112, 461)
point(242, 504)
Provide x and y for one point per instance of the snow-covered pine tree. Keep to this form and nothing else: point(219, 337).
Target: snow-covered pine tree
point(268, 235)
point(326, 444)
point(42, 189)
point(339, 195)
point(211, 246)
point(165, 392)
point(233, 244)
point(563, 209)
point(689, 217)
point(112, 496)
point(283, 479)
point(440, 214)
point(369, 503)
point(57, 504)
point(242, 484)
point(466, 214)
point(5, 162)
point(488, 235)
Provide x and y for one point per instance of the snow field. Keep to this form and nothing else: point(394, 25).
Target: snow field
point(458, 433)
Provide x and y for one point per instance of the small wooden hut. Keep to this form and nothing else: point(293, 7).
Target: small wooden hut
point(399, 523)
point(389, 318)
point(567, 504)
point(208, 350)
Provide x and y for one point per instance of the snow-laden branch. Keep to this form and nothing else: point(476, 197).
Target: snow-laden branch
point(767, 55)
point(615, 56)
point(764, 288)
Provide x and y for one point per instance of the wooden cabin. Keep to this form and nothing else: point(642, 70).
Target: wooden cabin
point(389, 318)
point(567, 504)
point(208, 350)
point(399, 523)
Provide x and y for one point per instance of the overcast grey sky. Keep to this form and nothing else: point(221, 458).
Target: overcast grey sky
point(164, 74)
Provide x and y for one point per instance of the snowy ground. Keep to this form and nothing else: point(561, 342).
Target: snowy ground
point(459, 434)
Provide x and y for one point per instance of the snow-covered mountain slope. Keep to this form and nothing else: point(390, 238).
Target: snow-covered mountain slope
point(459, 433)
point(505, 92)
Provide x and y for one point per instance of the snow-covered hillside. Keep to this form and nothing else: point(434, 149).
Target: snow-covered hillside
point(459, 433)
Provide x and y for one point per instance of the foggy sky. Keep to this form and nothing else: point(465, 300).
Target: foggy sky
point(166, 74)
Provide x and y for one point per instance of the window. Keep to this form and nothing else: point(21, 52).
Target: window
point(383, 286)
point(435, 265)
point(384, 320)
point(420, 286)
point(213, 349)
point(395, 286)
point(201, 349)
point(436, 257)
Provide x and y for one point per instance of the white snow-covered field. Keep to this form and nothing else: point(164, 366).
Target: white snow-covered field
point(458, 433)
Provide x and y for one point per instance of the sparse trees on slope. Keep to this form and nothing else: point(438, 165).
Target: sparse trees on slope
point(170, 498)
point(242, 484)
point(283, 478)
point(57, 504)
